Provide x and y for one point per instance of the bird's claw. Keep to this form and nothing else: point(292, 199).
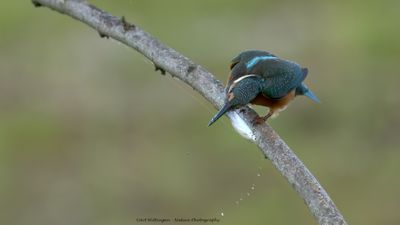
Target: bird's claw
point(258, 120)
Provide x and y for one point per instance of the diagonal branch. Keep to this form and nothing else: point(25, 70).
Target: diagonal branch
point(167, 59)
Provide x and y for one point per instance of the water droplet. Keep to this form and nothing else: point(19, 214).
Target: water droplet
point(241, 199)
point(258, 174)
point(222, 213)
point(248, 194)
point(252, 187)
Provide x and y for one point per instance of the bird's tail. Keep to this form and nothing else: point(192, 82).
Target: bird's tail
point(312, 96)
point(220, 113)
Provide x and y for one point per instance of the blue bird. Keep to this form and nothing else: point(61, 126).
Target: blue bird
point(261, 78)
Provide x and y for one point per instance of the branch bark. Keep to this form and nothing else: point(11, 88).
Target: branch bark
point(167, 59)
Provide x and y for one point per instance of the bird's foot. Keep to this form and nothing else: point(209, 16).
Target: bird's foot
point(258, 120)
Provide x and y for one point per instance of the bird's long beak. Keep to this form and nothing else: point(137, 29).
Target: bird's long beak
point(312, 96)
point(220, 113)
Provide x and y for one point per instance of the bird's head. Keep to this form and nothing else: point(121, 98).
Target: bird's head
point(240, 93)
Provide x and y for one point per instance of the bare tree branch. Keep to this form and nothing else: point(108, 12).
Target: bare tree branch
point(167, 59)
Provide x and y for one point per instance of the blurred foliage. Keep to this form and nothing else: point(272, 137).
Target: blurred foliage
point(90, 134)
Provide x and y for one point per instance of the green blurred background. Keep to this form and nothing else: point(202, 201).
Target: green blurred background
point(90, 134)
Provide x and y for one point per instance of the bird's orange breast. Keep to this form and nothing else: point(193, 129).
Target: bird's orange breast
point(274, 104)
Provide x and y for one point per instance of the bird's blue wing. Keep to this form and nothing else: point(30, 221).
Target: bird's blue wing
point(281, 77)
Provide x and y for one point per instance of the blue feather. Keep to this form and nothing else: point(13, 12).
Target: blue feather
point(311, 95)
point(256, 59)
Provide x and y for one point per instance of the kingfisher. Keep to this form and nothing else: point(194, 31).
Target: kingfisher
point(261, 78)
